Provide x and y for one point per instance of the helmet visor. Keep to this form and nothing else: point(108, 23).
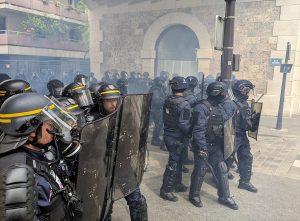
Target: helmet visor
point(84, 98)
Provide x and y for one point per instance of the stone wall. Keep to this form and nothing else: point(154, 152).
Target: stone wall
point(124, 33)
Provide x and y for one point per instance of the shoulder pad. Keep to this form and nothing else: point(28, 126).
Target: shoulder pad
point(18, 193)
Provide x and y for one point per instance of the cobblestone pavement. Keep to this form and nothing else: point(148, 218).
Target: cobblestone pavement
point(276, 174)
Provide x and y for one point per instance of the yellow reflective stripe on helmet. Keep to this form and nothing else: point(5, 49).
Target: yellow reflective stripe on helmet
point(2, 95)
point(5, 121)
point(27, 88)
point(72, 107)
point(21, 114)
point(77, 88)
point(3, 92)
point(110, 92)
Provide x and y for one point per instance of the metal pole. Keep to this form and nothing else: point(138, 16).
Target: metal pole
point(227, 56)
point(282, 94)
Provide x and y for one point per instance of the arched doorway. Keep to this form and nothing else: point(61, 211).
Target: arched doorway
point(176, 51)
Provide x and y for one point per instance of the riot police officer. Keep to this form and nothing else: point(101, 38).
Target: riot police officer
point(106, 78)
point(132, 83)
point(158, 97)
point(109, 99)
point(246, 120)
point(35, 183)
point(147, 82)
point(192, 99)
point(176, 118)
point(55, 88)
point(11, 87)
point(209, 119)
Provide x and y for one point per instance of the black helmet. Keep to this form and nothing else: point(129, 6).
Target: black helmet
point(192, 81)
point(81, 78)
point(55, 88)
point(70, 105)
point(146, 75)
point(178, 84)
point(94, 90)
point(18, 114)
point(11, 87)
point(80, 93)
point(138, 75)
point(124, 75)
point(241, 88)
point(216, 89)
point(4, 77)
point(165, 75)
point(109, 91)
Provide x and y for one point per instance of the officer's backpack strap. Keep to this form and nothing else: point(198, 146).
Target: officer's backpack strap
point(18, 194)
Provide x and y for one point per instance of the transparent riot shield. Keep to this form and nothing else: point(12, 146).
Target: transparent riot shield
point(256, 107)
point(229, 138)
point(131, 146)
point(95, 169)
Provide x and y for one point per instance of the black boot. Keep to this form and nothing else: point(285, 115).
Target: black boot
point(140, 211)
point(166, 191)
point(223, 186)
point(229, 202)
point(197, 179)
point(247, 186)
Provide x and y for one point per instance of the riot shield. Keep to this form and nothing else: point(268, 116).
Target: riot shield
point(257, 108)
point(229, 138)
point(95, 166)
point(131, 146)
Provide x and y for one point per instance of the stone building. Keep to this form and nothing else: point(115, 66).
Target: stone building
point(25, 49)
point(138, 35)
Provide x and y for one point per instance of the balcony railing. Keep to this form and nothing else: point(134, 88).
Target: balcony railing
point(24, 39)
point(50, 7)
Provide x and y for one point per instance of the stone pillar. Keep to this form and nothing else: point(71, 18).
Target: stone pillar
point(287, 29)
point(96, 36)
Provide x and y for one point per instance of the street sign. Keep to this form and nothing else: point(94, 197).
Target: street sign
point(276, 61)
point(286, 68)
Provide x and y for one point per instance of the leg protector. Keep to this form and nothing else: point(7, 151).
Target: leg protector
point(197, 178)
point(222, 174)
point(137, 206)
point(245, 160)
point(169, 177)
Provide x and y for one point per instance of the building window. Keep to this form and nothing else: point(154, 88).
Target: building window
point(75, 35)
point(2, 24)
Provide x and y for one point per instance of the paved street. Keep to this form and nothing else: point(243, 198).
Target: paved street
point(276, 174)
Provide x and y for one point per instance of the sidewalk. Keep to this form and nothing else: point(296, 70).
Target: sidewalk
point(274, 174)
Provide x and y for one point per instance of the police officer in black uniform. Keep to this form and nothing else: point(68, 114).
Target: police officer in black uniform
point(209, 117)
point(34, 180)
point(158, 97)
point(192, 99)
point(109, 99)
point(55, 88)
point(146, 82)
point(246, 120)
point(176, 118)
